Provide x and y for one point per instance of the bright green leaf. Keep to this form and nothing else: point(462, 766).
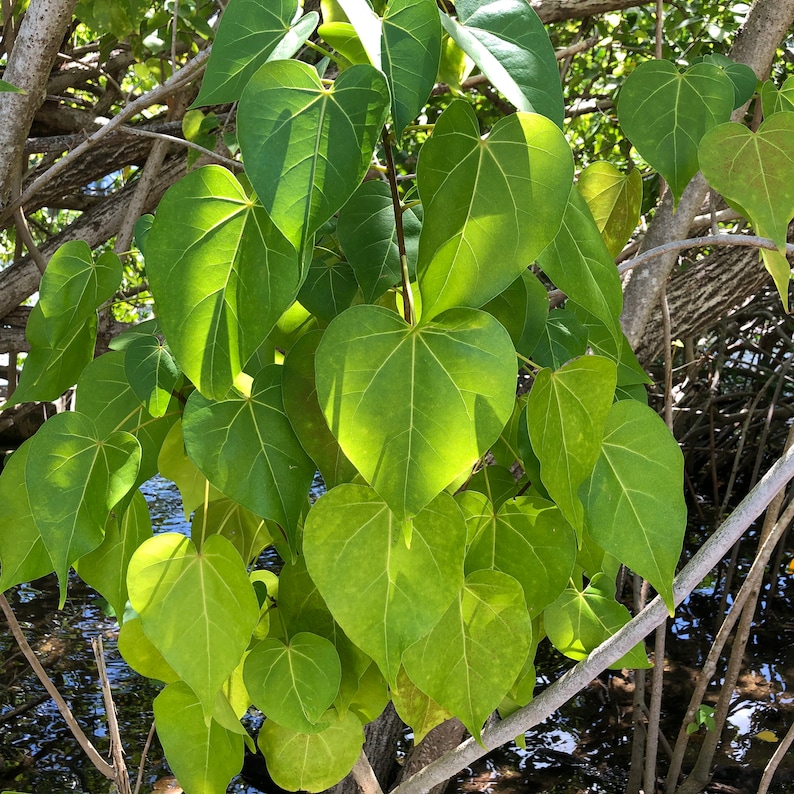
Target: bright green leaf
point(490, 205)
point(777, 101)
point(413, 406)
point(249, 534)
point(343, 38)
point(415, 708)
point(23, 554)
point(410, 56)
point(246, 448)
point(251, 32)
point(197, 608)
point(665, 114)
point(294, 683)
point(221, 275)
point(634, 501)
point(355, 545)
point(578, 622)
point(311, 761)
point(77, 476)
point(204, 754)
point(533, 543)
point(471, 658)
point(566, 414)
point(367, 25)
point(579, 264)
point(615, 201)
point(139, 653)
point(307, 147)
point(756, 172)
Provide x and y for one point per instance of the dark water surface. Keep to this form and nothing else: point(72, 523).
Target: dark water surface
point(583, 749)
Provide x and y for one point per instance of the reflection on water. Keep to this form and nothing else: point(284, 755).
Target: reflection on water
point(585, 748)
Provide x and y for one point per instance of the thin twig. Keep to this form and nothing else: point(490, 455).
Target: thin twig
point(774, 761)
point(232, 165)
point(93, 755)
point(139, 779)
point(122, 780)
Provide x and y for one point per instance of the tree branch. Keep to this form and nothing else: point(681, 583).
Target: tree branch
point(562, 690)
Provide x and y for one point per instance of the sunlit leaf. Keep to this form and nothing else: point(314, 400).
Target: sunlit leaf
point(248, 533)
point(221, 275)
point(578, 622)
point(307, 147)
point(139, 653)
point(777, 101)
point(531, 541)
point(490, 205)
point(23, 554)
point(197, 608)
point(470, 659)
point(634, 500)
point(615, 201)
point(755, 171)
point(415, 708)
point(355, 545)
point(77, 475)
point(311, 761)
point(566, 414)
point(151, 372)
point(410, 56)
point(246, 448)
point(413, 406)
point(204, 754)
point(251, 32)
point(295, 682)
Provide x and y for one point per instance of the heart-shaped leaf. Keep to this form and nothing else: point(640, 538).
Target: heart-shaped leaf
point(368, 235)
point(412, 407)
point(221, 275)
point(615, 201)
point(755, 171)
point(566, 414)
point(198, 609)
point(634, 501)
point(529, 540)
point(509, 43)
point(251, 33)
point(307, 147)
point(665, 114)
point(410, 56)
point(354, 544)
point(311, 761)
point(204, 753)
point(77, 476)
point(490, 206)
point(740, 74)
point(294, 683)
point(578, 622)
point(471, 658)
point(246, 448)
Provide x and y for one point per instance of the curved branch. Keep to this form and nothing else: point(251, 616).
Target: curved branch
point(562, 690)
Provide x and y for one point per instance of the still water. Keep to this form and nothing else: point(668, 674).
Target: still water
point(584, 749)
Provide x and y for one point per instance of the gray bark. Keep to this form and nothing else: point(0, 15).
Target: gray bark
point(29, 65)
point(755, 45)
